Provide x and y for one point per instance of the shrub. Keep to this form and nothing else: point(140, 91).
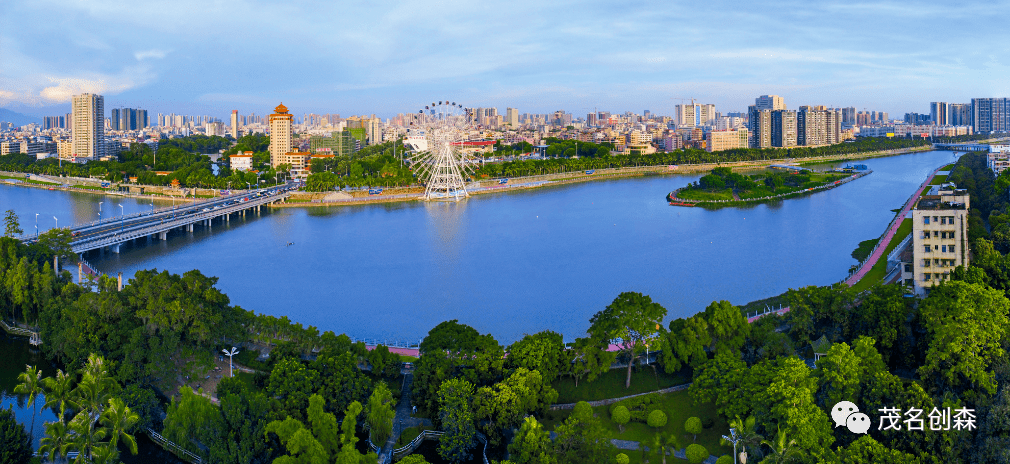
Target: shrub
point(639, 406)
point(622, 458)
point(657, 419)
point(620, 416)
point(696, 454)
point(724, 459)
point(693, 426)
point(708, 422)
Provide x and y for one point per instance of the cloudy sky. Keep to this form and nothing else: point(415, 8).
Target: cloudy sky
point(385, 57)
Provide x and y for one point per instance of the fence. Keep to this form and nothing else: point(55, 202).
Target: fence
point(174, 448)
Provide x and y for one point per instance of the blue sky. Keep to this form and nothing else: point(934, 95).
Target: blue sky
point(382, 57)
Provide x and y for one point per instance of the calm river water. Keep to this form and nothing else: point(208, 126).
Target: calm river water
point(510, 263)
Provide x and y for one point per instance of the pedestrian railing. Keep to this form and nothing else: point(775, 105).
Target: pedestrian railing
point(174, 448)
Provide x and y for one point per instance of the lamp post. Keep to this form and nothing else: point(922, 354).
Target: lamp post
point(100, 211)
point(36, 225)
point(732, 438)
point(57, 222)
point(122, 218)
point(230, 354)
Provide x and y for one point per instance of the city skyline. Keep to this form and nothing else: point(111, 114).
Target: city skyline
point(365, 59)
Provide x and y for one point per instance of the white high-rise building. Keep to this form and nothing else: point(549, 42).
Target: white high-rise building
point(234, 124)
point(280, 134)
point(770, 102)
point(512, 117)
point(88, 133)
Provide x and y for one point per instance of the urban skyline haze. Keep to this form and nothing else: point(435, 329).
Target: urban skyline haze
point(193, 57)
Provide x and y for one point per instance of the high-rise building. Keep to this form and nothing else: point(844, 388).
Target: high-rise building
point(833, 126)
point(811, 127)
point(512, 117)
point(783, 128)
point(939, 113)
point(234, 124)
point(280, 134)
point(939, 238)
point(990, 115)
point(114, 119)
point(849, 116)
point(694, 115)
point(760, 127)
point(374, 129)
point(770, 102)
point(141, 119)
point(89, 126)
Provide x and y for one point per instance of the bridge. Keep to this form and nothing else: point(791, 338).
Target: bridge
point(115, 231)
point(962, 146)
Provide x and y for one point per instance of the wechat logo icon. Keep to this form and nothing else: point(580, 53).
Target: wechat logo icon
point(847, 413)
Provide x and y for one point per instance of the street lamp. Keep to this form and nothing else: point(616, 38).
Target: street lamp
point(36, 225)
point(733, 438)
point(57, 222)
point(230, 354)
point(100, 211)
point(122, 218)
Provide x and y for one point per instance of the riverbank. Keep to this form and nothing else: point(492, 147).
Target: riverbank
point(546, 180)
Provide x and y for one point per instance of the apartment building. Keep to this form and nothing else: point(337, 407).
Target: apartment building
point(726, 140)
point(280, 134)
point(939, 238)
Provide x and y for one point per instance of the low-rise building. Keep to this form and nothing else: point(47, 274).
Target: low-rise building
point(241, 161)
point(998, 161)
point(726, 140)
point(939, 238)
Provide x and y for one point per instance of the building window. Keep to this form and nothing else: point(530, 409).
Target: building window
point(925, 220)
point(950, 248)
point(926, 276)
point(943, 248)
point(908, 267)
point(936, 247)
point(936, 262)
point(925, 248)
point(925, 263)
point(936, 234)
point(935, 218)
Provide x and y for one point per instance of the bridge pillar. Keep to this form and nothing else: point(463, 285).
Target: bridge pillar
point(227, 217)
point(163, 235)
point(189, 228)
point(115, 248)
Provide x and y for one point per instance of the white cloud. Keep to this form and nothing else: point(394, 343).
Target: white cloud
point(154, 53)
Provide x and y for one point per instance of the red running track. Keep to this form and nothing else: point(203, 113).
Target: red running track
point(886, 240)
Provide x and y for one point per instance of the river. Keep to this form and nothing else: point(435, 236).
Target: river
point(510, 263)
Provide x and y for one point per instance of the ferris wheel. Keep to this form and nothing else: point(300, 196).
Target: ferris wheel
point(444, 167)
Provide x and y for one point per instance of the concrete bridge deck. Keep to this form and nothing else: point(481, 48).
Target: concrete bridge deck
point(114, 231)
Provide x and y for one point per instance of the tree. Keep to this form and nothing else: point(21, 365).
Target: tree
point(696, 454)
point(57, 242)
point(192, 420)
point(693, 426)
point(11, 226)
point(718, 381)
point(56, 441)
point(866, 449)
point(543, 352)
point(455, 398)
point(727, 325)
point(503, 405)
point(784, 449)
point(118, 420)
point(380, 413)
point(631, 317)
point(413, 459)
point(685, 343)
point(531, 444)
point(657, 419)
point(581, 438)
point(841, 375)
point(967, 323)
point(622, 458)
point(15, 445)
point(587, 358)
point(292, 384)
point(455, 350)
point(620, 415)
point(664, 442)
point(30, 385)
point(747, 436)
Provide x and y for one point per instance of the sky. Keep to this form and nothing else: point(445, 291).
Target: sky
point(383, 57)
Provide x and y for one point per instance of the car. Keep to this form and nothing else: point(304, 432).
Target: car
point(75, 233)
point(205, 210)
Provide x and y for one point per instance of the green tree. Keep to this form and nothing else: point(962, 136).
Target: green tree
point(632, 318)
point(727, 325)
point(662, 443)
point(455, 350)
point(696, 454)
point(192, 420)
point(784, 449)
point(622, 458)
point(30, 385)
point(380, 413)
point(543, 352)
point(455, 398)
point(685, 343)
point(657, 419)
point(57, 241)
point(747, 436)
point(693, 426)
point(587, 358)
point(413, 459)
point(841, 375)
point(118, 420)
point(291, 383)
point(12, 228)
point(531, 444)
point(788, 400)
point(620, 415)
point(967, 323)
point(866, 449)
point(503, 405)
point(15, 445)
point(581, 438)
point(56, 442)
point(718, 381)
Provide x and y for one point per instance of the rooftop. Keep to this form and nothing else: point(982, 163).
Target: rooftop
point(938, 202)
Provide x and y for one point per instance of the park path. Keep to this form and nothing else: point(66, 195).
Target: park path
point(878, 251)
point(402, 419)
point(629, 445)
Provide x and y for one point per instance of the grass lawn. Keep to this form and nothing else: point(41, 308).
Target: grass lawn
point(611, 384)
point(756, 193)
point(704, 195)
point(863, 250)
point(28, 181)
point(678, 407)
point(938, 179)
point(409, 434)
point(879, 270)
point(88, 187)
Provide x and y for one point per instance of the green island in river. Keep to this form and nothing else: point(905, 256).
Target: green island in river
point(723, 187)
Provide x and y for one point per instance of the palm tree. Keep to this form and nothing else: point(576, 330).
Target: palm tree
point(119, 420)
point(746, 436)
point(783, 449)
point(662, 443)
point(57, 440)
point(105, 454)
point(30, 385)
point(59, 392)
point(92, 393)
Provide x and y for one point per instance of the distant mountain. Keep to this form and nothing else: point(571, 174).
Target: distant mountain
point(17, 119)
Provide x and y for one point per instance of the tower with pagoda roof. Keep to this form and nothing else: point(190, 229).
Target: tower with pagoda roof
point(280, 134)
